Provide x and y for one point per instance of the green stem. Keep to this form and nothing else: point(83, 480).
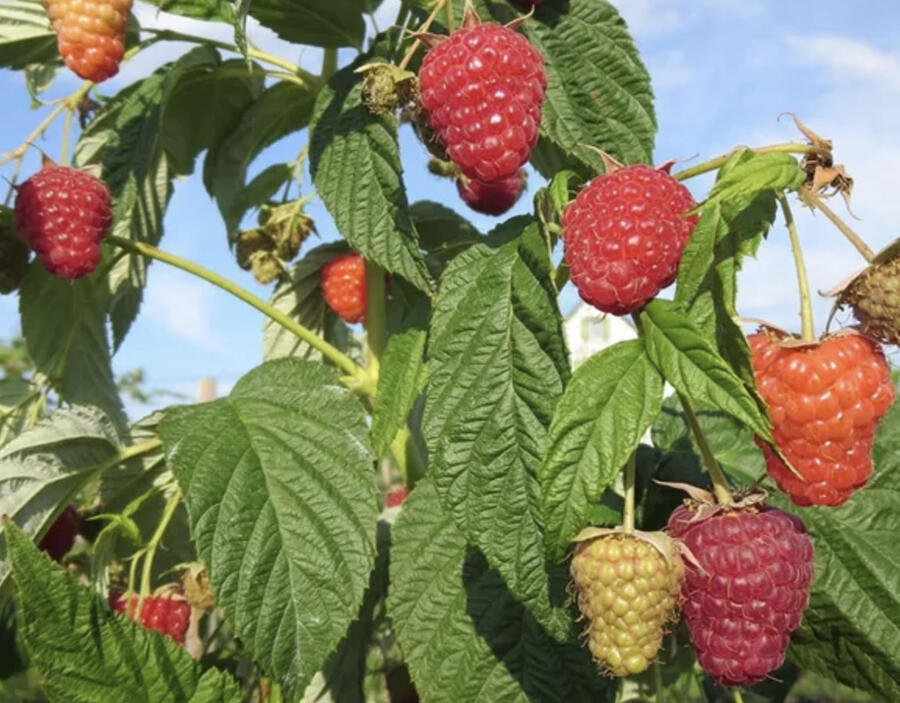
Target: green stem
point(806, 312)
point(451, 20)
point(844, 228)
point(658, 682)
point(628, 515)
point(720, 484)
point(153, 544)
point(736, 693)
point(311, 80)
point(358, 378)
point(713, 164)
point(424, 28)
point(329, 63)
point(409, 461)
point(376, 332)
point(64, 149)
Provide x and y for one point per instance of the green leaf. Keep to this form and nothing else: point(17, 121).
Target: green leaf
point(464, 636)
point(694, 367)
point(280, 490)
point(38, 78)
point(355, 163)
point(443, 233)
point(851, 629)
point(212, 10)
point(87, 654)
point(606, 409)
point(282, 109)
point(598, 90)
point(64, 325)
point(771, 171)
point(26, 36)
point(699, 255)
point(45, 467)
point(325, 23)
point(401, 378)
point(300, 297)
point(497, 366)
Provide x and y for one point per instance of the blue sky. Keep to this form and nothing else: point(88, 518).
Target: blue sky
point(722, 70)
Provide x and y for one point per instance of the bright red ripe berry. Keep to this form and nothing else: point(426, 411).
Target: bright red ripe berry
point(481, 90)
point(61, 535)
point(396, 496)
point(757, 564)
point(170, 615)
point(91, 35)
point(493, 198)
point(624, 235)
point(825, 400)
point(64, 214)
point(344, 287)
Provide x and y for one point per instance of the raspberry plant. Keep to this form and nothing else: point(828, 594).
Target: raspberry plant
point(413, 493)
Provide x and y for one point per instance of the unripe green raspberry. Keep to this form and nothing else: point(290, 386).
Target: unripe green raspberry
point(874, 296)
point(628, 589)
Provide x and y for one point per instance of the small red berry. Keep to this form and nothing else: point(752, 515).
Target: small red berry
point(750, 591)
point(91, 35)
point(492, 198)
point(481, 90)
point(169, 614)
point(61, 535)
point(825, 400)
point(64, 214)
point(396, 496)
point(624, 235)
point(344, 287)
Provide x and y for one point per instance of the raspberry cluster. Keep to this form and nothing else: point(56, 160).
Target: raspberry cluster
point(624, 235)
point(168, 614)
point(825, 400)
point(747, 591)
point(628, 590)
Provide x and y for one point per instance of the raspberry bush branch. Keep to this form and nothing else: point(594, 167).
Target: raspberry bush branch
point(148, 553)
point(817, 203)
point(357, 379)
point(719, 482)
point(808, 332)
point(629, 481)
point(719, 161)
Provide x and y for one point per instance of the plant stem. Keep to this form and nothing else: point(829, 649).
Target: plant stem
point(736, 693)
point(806, 313)
point(313, 81)
point(358, 378)
point(628, 515)
point(67, 129)
point(409, 461)
point(424, 28)
point(863, 248)
point(375, 319)
point(720, 484)
point(329, 63)
point(20, 150)
point(451, 20)
point(153, 544)
point(658, 683)
point(713, 164)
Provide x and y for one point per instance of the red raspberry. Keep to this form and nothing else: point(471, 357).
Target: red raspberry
point(91, 34)
point(757, 565)
point(624, 235)
point(481, 90)
point(344, 287)
point(61, 535)
point(396, 496)
point(64, 214)
point(492, 198)
point(167, 614)
point(825, 400)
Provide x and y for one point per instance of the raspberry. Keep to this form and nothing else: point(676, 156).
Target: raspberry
point(624, 235)
point(874, 296)
point(396, 496)
point(825, 400)
point(481, 90)
point(64, 214)
point(628, 589)
point(494, 197)
point(167, 614)
point(757, 564)
point(344, 287)
point(61, 535)
point(91, 34)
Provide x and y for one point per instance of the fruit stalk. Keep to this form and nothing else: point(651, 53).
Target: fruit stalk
point(808, 331)
point(153, 544)
point(720, 484)
point(404, 62)
point(863, 248)
point(628, 513)
point(358, 380)
point(713, 164)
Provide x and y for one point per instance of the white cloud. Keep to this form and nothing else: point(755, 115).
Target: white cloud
point(181, 306)
point(848, 58)
point(648, 18)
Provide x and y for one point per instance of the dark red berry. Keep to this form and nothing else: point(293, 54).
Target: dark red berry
point(481, 90)
point(396, 496)
point(61, 535)
point(493, 198)
point(624, 235)
point(169, 614)
point(750, 591)
point(64, 214)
